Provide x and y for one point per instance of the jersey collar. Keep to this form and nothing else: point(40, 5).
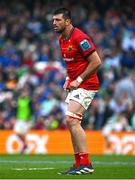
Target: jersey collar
point(69, 34)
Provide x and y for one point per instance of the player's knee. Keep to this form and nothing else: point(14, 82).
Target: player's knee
point(70, 122)
point(73, 119)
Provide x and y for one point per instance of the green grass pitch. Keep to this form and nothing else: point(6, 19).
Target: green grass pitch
point(47, 167)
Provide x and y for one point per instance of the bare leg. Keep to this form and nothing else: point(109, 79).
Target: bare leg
point(78, 135)
point(23, 139)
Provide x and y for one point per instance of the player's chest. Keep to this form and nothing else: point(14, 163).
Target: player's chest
point(68, 50)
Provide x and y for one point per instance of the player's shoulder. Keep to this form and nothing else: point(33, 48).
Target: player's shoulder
point(79, 34)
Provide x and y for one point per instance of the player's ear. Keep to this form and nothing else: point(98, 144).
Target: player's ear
point(68, 21)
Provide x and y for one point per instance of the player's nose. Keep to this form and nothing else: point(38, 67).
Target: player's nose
point(54, 22)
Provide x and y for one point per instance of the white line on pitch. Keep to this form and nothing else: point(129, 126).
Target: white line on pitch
point(31, 169)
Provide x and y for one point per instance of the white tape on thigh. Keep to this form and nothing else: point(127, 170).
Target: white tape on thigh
point(73, 115)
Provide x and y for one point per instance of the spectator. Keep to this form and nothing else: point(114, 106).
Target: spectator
point(23, 117)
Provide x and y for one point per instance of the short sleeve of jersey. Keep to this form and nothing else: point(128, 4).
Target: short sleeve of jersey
point(85, 45)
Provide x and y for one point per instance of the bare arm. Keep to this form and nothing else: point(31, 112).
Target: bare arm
point(94, 64)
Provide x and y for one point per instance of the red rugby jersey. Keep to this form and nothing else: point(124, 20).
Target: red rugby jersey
point(75, 51)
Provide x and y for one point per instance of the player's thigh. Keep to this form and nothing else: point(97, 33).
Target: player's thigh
point(75, 107)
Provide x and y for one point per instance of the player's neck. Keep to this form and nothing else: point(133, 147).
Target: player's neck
point(67, 33)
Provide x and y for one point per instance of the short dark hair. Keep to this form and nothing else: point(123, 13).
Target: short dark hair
point(66, 13)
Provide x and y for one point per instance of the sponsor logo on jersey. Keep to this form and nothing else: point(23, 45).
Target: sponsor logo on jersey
point(70, 48)
point(85, 45)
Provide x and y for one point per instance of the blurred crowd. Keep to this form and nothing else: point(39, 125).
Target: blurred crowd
point(30, 62)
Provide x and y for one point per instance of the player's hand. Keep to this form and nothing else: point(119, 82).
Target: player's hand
point(66, 85)
point(74, 84)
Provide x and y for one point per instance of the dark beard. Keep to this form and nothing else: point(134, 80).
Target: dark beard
point(60, 31)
